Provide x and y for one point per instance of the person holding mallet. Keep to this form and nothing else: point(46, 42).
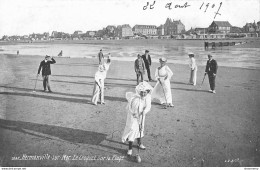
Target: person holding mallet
point(193, 69)
point(139, 104)
point(211, 70)
point(45, 67)
point(100, 76)
point(162, 89)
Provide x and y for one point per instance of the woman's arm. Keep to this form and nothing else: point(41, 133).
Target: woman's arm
point(169, 72)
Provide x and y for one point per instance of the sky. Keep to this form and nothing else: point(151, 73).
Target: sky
point(23, 17)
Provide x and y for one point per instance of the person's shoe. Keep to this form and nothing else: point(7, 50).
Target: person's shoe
point(171, 105)
point(142, 147)
point(214, 91)
point(103, 103)
point(44, 90)
point(50, 91)
point(94, 103)
point(130, 152)
point(210, 90)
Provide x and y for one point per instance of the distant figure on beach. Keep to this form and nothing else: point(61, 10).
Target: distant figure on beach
point(60, 54)
point(45, 66)
point(108, 57)
point(148, 62)
point(193, 69)
point(100, 75)
point(162, 89)
point(206, 45)
point(139, 104)
point(17, 52)
point(100, 56)
point(139, 68)
point(211, 70)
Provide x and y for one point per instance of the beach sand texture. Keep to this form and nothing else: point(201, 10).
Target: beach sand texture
point(203, 129)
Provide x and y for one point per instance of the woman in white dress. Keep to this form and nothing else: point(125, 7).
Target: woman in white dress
point(100, 75)
point(162, 89)
point(193, 69)
point(139, 104)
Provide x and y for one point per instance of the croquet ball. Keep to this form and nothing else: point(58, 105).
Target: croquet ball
point(138, 159)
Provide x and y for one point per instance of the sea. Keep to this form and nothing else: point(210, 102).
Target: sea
point(177, 53)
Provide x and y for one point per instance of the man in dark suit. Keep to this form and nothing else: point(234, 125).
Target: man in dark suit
point(100, 56)
point(46, 71)
point(211, 70)
point(148, 62)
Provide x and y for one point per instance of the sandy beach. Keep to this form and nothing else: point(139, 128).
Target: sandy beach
point(203, 129)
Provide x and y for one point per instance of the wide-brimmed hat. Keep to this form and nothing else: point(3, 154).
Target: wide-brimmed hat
point(143, 86)
point(162, 59)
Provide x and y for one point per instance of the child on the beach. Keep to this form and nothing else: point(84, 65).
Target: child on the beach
point(139, 104)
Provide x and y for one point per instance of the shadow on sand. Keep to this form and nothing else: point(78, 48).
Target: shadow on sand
point(51, 132)
point(40, 94)
point(108, 78)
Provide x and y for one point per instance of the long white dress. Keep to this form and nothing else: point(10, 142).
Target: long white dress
point(164, 87)
point(98, 91)
point(131, 131)
point(193, 71)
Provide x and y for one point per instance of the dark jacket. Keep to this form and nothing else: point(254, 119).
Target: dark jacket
point(211, 67)
point(139, 65)
point(148, 61)
point(46, 68)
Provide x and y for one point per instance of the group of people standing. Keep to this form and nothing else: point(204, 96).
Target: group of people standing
point(142, 65)
point(139, 103)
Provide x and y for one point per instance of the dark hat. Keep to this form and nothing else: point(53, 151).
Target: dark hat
point(146, 51)
point(47, 56)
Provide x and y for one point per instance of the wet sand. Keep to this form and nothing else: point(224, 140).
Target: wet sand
point(203, 129)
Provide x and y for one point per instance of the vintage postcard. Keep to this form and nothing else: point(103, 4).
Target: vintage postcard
point(122, 83)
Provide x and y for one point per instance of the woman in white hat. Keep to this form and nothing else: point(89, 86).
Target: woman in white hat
point(162, 89)
point(139, 104)
point(193, 69)
point(100, 75)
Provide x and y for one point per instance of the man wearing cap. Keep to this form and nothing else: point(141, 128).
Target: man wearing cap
point(148, 62)
point(45, 66)
point(100, 56)
point(211, 70)
point(100, 76)
point(139, 68)
point(193, 69)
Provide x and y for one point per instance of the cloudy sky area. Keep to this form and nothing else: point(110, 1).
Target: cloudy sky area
point(21, 17)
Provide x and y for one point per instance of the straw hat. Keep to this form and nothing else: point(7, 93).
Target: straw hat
point(163, 59)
